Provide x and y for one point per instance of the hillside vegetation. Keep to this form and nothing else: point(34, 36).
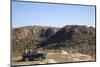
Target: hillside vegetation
point(71, 37)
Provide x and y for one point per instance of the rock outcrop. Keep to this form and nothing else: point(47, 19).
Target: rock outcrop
point(74, 37)
point(30, 36)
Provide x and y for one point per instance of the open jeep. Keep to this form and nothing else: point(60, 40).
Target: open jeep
point(33, 56)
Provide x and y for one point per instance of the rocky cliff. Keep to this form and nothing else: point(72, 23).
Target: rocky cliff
point(74, 37)
point(30, 36)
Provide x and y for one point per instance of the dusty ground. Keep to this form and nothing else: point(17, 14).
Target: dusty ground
point(55, 57)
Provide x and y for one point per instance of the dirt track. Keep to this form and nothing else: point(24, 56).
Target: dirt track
point(55, 57)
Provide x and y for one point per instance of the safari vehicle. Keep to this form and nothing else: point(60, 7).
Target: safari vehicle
point(33, 55)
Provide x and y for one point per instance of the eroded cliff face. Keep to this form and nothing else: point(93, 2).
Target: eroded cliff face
point(78, 38)
point(74, 37)
point(30, 36)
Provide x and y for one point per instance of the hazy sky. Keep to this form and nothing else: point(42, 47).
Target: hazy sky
point(42, 14)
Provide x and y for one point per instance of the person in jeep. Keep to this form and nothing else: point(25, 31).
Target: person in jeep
point(37, 54)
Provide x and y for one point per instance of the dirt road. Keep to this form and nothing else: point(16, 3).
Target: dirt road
point(55, 57)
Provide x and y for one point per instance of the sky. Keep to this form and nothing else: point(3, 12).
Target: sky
point(52, 15)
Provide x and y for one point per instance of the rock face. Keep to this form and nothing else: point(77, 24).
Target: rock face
point(27, 37)
point(79, 38)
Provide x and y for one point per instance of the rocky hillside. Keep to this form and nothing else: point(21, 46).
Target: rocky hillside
point(30, 36)
point(74, 37)
point(77, 38)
